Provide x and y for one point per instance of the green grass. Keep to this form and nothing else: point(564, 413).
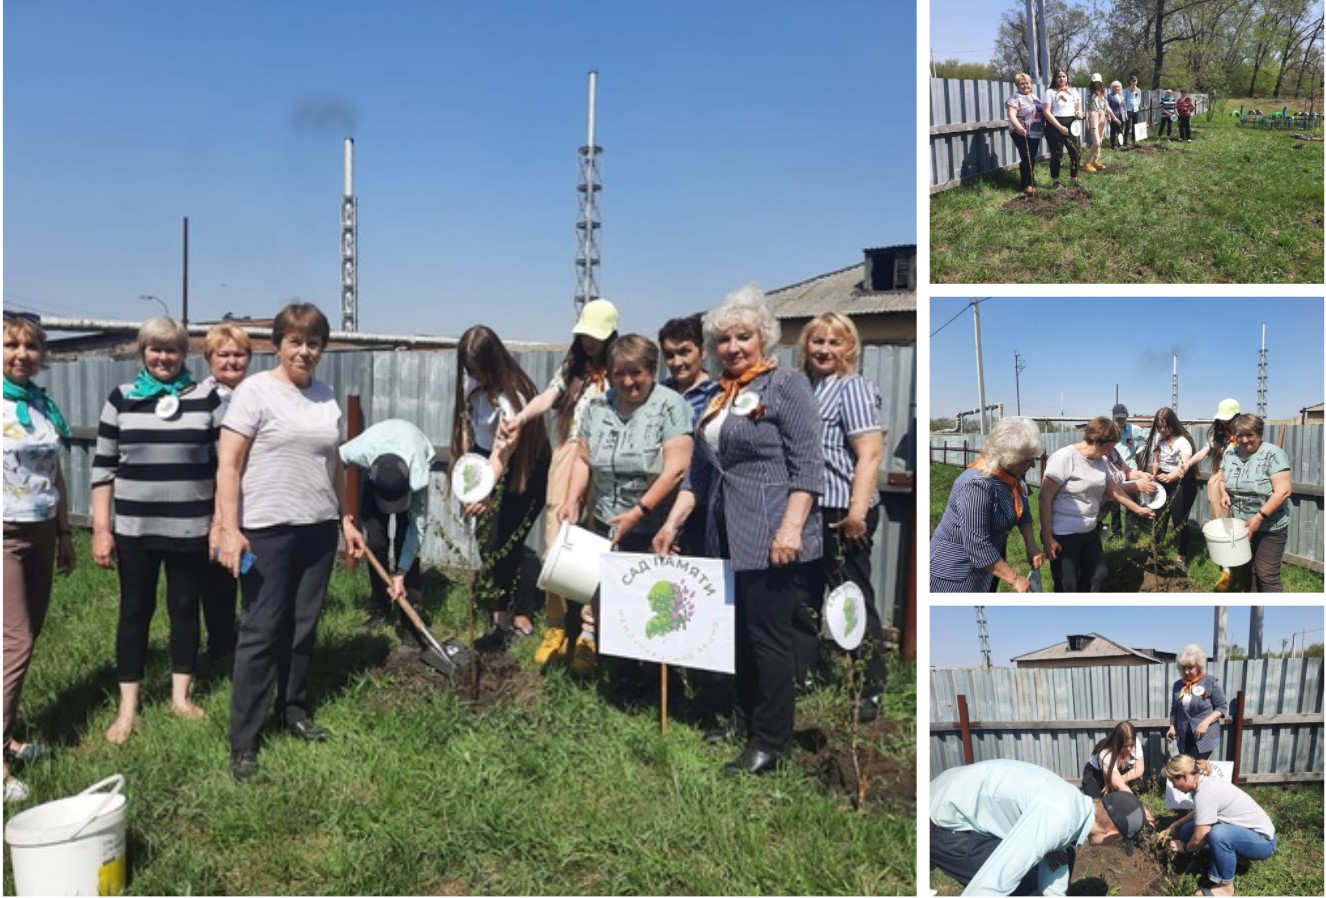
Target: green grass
point(1294, 869)
point(1237, 205)
point(552, 789)
point(1126, 562)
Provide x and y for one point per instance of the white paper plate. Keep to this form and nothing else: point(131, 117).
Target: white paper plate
point(1075, 128)
point(472, 478)
point(1173, 116)
point(845, 613)
point(1156, 499)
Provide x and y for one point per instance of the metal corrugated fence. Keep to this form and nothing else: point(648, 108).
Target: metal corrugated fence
point(421, 386)
point(964, 153)
point(1305, 444)
point(1272, 686)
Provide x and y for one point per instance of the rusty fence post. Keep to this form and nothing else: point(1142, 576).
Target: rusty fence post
point(964, 726)
point(1238, 734)
point(908, 647)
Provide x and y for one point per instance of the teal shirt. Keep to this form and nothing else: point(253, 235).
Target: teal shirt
point(1249, 483)
point(1031, 809)
point(402, 438)
point(626, 452)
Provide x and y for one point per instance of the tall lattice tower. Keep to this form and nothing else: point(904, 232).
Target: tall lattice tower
point(349, 245)
point(1174, 387)
point(587, 255)
point(1261, 377)
point(984, 636)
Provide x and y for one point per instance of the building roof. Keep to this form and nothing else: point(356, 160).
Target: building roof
point(1313, 408)
point(1096, 646)
point(843, 291)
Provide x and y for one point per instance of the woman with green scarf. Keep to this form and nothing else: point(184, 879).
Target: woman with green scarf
point(155, 464)
point(37, 539)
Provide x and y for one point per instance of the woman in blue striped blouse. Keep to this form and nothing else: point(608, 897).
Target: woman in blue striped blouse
point(853, 448)
point(986, 502)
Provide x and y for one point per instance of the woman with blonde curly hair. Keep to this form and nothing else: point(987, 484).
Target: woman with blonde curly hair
point(1224, 819)
point(1197, 706)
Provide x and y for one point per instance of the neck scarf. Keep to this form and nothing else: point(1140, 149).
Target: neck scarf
point(34, 396)
point(1188, 684)
point(146, 386)
point(1005, 478)
point(728, 387)
point(597, 375)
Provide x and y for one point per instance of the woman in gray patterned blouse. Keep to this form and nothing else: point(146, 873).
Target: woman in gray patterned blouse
point(760, 460)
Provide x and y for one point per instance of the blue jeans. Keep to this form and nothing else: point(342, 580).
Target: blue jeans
point(1228, 843)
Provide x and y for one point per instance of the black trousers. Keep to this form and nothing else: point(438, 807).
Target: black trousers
point(855, 567)
point(1166, 126)
point(1130, 122)
point(1028, 147)
point(1078, 567)
point(768, 602)
point(1184, 494)
point(283, 596)
point(139, 567)
point(1185, 127)
point(510, 566)
point(377, 529)
point(1116, 130)
point(1058, 143)
point(219, 593)
point(962, 853)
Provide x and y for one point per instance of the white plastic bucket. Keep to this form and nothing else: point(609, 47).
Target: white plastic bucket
point(1227, 542)
point(72, 846)
point(571, 567)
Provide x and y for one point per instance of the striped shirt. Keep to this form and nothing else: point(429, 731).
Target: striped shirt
point(163, 471)
point(849, 407)
point(1168, 105)
point(972, 532)
point(290, 474)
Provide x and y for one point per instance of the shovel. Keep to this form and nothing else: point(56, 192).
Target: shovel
point(445, 658)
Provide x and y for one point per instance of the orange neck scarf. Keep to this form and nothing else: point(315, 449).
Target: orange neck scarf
point(728, 387)
point(1188, 684)
point(596, 375)
point(1003, 477)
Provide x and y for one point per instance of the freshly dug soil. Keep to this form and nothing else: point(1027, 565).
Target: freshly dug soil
point(1047, 200)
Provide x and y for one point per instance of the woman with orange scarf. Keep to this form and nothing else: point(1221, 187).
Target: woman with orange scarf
point(1197, 708)
point(986, 502)
point(759, 459)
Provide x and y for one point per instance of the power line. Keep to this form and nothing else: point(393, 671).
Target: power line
point(955, 317)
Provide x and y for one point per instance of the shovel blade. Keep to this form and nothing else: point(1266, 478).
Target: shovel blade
point(448, 658)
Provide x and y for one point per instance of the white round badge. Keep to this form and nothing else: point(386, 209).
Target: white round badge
point(472, 478)
point(167, 406)
point(845, 614)
point(745, 403)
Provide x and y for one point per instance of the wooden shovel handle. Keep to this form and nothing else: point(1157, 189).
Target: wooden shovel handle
point(406, 608)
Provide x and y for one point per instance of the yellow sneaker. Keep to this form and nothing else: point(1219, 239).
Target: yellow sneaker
point(552, 646)
point(1088, 167)
point(582, 658)
point(1222, 585)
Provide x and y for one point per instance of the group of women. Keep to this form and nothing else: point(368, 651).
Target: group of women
point(1059, 115)
point(1224, 819)
point(237, 479)
point(1082, 482)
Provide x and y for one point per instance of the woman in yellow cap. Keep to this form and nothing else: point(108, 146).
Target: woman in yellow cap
point(582, 376)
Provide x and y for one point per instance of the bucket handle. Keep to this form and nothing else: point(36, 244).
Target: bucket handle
point(118, 780)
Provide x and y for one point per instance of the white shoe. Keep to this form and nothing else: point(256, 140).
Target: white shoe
point(15, 790)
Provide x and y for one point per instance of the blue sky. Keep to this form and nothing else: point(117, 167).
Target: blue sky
point(965, 30)
point(742, 141)
point(1017, 630)
point(1085, 346)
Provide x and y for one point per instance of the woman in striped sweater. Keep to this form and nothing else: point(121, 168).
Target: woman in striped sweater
point(153, 482)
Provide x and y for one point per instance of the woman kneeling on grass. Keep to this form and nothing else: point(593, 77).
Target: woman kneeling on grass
point(1115, 762)
point(1224, 818)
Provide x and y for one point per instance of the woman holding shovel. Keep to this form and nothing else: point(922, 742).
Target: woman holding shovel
point(278, 451)
point(1026, 124)
point(1062, 110)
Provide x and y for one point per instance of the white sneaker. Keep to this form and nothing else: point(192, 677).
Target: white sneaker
point(15, 790)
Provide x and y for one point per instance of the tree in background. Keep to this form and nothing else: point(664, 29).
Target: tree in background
point(1069, 35)
point(965, 71)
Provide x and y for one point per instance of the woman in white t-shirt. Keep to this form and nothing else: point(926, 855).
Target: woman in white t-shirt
point(278, 452)
point(1062, 106)
point(1171, 450)
point(1075, 481)
point(1103, 773)
point(1224, 818)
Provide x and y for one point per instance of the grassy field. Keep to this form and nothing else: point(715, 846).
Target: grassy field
point(1237, 205)
point(537, 785)
point(1294, 869)
point(1127, 561)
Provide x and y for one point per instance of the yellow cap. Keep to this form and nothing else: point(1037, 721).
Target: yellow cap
point(598, 319)
point(1228, 409)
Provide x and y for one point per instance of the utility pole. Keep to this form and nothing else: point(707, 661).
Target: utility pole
point(980, 366)
point(1018, 367)
point(1256, 618)
point(349, 243)
point(984, 636)
point(184, 302)
point(1174, 387)
point(1221, 613)
point(1261, 376)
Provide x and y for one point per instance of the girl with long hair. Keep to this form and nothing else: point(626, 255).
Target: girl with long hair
point(1115, 762)
point(1219, 438)
point(492, 386)
point(583, 375)
point(1171, 449)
